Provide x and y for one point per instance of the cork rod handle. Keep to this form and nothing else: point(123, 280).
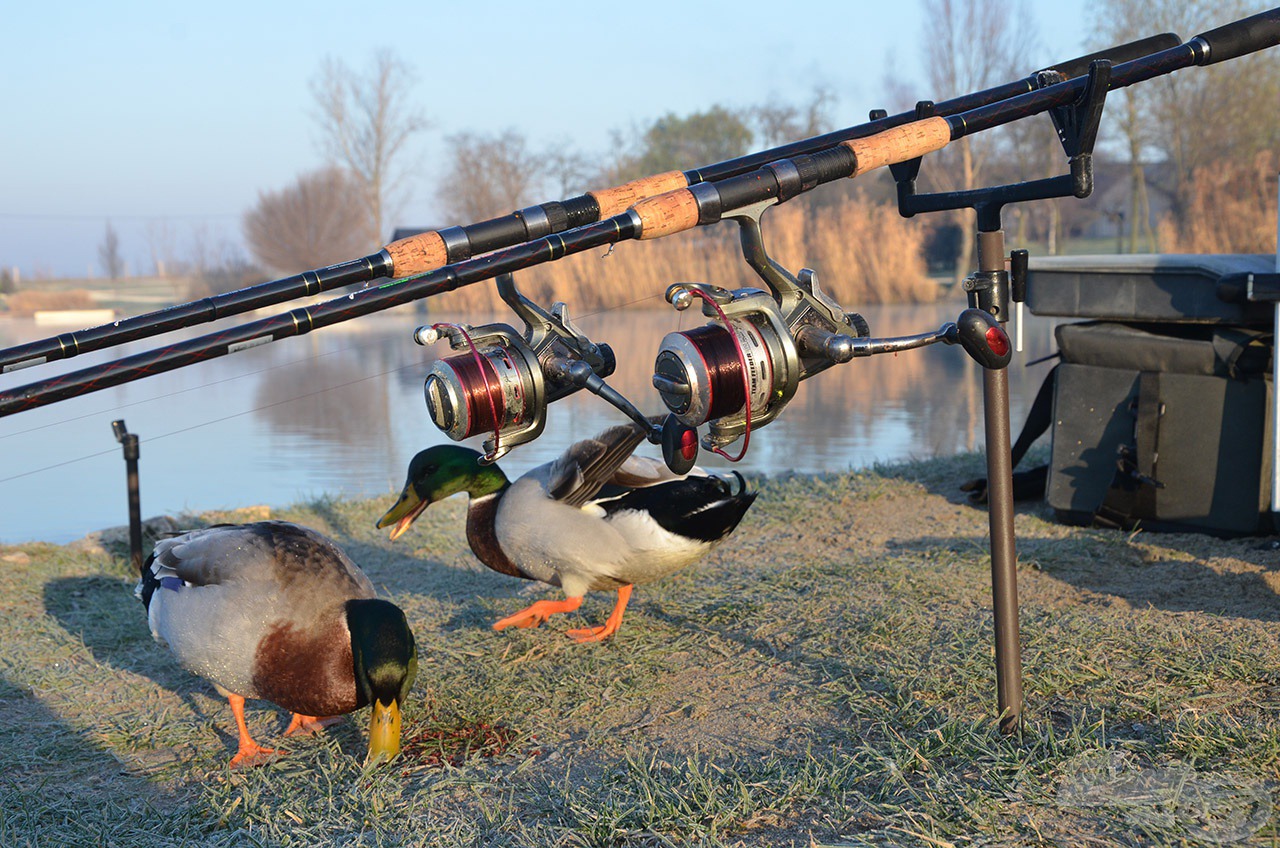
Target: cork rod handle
point(417, 254)
point(673, 212)
point(623, 197)
point(899, 144)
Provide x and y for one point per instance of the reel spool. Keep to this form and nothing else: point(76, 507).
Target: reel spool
point(736, 374)
point(496, 386)
point(502, 380)
point(454, 390)
point(708, 362)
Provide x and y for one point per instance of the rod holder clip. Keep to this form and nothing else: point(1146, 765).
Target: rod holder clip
point(127, 440)
point(1077, 127)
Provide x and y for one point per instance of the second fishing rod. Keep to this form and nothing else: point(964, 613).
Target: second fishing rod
point(673, 212)
point(434, 249)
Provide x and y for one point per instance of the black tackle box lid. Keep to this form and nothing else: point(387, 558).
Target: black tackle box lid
point(1157, 287)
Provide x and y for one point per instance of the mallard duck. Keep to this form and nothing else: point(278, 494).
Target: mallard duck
point(277, 611)
point(596, 518)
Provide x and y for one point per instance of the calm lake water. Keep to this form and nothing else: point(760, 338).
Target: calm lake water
point(340, 411)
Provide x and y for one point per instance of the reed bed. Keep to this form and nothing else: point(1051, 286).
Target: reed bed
point(864, 253)
point(1232, 209)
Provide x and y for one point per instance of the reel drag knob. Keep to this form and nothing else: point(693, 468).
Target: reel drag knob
point(983, 338)
point(679, 445)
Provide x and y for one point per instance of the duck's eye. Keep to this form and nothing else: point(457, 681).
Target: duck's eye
point(430, 469)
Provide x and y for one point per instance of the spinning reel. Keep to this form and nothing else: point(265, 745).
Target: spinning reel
point(738, 372)
point(505, 380)
point(500, 383)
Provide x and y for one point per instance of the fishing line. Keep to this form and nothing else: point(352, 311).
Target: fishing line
point(212, 421)
point(619, 306)
point(176, 392)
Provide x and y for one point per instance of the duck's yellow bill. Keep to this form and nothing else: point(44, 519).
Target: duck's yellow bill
point(384, 732)
point(406, 509)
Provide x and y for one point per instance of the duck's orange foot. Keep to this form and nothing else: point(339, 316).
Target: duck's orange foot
point(250, 753)
point(253, 754)
point(592, 634)
point(537, 613)
point(303, 725)
point(610, 627)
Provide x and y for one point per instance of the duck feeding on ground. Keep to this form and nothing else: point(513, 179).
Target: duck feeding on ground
point(276, 611)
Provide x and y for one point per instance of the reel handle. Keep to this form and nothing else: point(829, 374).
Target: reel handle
point(679, 441)
point(975, 330)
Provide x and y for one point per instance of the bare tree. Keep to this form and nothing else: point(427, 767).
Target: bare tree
point(569, 171)
point(109, 253)
point(970, 45)
point(489, 175)
point(778, 123)
point(215, 264)
point(319, 220)
point(676, 143)
point(365, 123)
point(162, 245)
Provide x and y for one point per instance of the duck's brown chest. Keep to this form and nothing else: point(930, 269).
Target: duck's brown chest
point(307, 671)
point(483, 537)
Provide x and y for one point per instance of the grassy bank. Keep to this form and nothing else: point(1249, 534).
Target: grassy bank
point(825, 678)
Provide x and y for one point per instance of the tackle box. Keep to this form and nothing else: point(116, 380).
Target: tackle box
point(1162, 400)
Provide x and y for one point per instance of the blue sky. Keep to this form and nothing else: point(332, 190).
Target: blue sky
point(181, 113)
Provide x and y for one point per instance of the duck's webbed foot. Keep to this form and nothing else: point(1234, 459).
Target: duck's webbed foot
point(610, 627)
point(248, 753)
point(305, 725)
point(539, 612)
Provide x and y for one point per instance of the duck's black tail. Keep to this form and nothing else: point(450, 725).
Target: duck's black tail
point(702, 508)
point(147, 583)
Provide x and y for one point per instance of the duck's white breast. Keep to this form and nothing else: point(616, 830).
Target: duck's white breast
point(580, 548)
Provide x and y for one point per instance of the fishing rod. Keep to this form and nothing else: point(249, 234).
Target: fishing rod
point(672, 212)
point(434, 249)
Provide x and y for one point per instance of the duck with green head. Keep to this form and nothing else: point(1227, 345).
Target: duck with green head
point(597, 518)
point(277, 611)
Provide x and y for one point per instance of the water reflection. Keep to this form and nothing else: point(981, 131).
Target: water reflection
point(340, 411)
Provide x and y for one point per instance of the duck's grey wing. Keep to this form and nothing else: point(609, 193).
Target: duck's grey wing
point(640, 472)
point(580, 472)
point(275, 552)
